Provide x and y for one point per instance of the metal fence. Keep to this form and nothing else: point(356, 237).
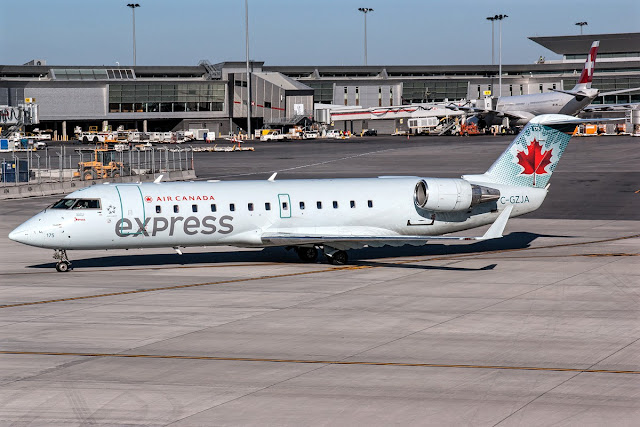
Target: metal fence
point(65, 164)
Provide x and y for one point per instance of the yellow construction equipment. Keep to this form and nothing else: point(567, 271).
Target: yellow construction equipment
point(102, 166)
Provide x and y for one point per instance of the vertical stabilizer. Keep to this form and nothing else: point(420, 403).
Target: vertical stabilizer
point(587, 72)
point(533, 155)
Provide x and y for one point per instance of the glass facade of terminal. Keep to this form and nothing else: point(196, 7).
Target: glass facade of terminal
point(433, 90)
point(322, 92)
point(166, 97)
point(611, 84)
point(92, 74)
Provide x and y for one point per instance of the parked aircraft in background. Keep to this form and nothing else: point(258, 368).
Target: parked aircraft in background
point(519, 109)
point(332, 215)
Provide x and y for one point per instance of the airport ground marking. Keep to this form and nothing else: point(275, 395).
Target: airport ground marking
point(344, 268)
point(191, 285)
point(321, 362)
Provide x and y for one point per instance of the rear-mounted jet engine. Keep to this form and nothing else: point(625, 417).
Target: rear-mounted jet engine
point(451, 194)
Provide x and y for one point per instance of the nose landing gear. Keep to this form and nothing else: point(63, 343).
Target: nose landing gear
point(63, 265)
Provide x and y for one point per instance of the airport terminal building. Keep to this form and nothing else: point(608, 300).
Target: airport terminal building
point(214, 96)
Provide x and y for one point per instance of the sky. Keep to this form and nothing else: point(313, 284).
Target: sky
point(297, 32)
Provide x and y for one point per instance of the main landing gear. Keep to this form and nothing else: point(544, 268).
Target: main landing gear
point(310, 254)
point(307, 254)
point(63, 265)
point(337, 257)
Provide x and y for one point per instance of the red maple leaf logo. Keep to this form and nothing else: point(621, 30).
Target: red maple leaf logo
point(148, 199)
point(535, 162)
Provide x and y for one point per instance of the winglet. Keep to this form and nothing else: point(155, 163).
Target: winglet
point(273, 177)
point(158, 179)
point(496, 229)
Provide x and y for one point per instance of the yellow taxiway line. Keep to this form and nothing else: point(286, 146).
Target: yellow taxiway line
point(193, 285)
point(479, 255)
point(321, 362)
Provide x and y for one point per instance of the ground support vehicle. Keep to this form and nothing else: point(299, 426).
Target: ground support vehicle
point(103, 165)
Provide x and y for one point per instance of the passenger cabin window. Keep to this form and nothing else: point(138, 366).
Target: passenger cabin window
point(250, 206)
point(158, 209)
point(232, 207)
point(213, 207)
point(194, 208)
point(370, 203)
point(319, 205)
point(301, 205)
point(285, 206)
point(335, 204)
point(267, 206)
point(176, 208)
point(352, 204)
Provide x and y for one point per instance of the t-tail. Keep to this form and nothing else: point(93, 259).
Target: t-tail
point(587, 72)
point(534, 154)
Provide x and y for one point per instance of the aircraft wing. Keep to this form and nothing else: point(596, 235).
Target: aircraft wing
point(610, 107)
point(344, 241)
point(516, 115)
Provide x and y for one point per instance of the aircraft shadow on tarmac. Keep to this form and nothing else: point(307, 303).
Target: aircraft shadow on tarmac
point(517, 240)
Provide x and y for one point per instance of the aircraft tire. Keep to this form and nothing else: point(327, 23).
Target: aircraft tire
point(307, 254)
point(339, 258)
point(62, 266)
point(89, 175)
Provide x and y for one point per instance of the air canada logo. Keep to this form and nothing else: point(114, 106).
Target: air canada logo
point(533, 160)
point(148, 199)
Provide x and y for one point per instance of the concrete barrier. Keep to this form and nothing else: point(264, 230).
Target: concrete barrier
point(30, 189)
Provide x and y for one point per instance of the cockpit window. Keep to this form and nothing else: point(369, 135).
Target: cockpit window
point(77, 204)
point(87, 204)
point(64, 204)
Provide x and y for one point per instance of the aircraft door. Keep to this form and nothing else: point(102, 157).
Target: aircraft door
point(285, 205)
point(132, 209)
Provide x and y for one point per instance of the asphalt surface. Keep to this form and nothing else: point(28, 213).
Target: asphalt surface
point(540, 327)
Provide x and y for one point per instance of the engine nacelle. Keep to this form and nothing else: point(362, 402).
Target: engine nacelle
point(451, 194)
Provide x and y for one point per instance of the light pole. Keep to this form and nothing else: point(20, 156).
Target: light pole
point(582, 24)
point(246, 24)
point(133, 14)
point(500, 18)
point(492, 19)
point(365, 10)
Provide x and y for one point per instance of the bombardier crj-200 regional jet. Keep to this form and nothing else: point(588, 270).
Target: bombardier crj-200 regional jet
point(331, 215)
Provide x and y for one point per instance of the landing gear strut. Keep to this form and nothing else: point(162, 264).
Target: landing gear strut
point(307, 254)
point(63, 265)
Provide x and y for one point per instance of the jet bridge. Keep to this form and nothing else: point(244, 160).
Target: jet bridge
point(12, 118)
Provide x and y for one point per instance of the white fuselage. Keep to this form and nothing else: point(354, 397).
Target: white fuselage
point(237, 213)
point(529, 106)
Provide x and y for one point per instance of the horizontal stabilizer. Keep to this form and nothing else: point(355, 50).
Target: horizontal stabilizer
point(497, 228)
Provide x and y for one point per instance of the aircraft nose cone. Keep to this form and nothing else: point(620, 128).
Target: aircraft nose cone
point(27, 233)
point(20, 234)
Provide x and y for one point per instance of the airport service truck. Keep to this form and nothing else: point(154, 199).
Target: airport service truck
point(423, 125)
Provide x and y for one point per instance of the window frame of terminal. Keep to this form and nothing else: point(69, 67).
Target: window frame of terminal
point(144, 97)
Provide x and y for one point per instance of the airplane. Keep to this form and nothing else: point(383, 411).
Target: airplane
point(310, 215)
point(519, 109)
